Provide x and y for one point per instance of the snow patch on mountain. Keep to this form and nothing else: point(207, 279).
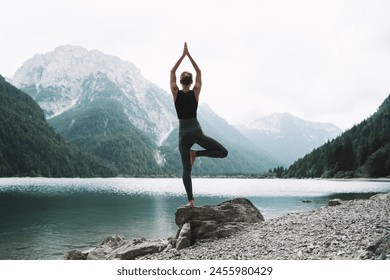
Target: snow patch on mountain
point(159, 158)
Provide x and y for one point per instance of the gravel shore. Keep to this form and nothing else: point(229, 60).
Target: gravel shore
point(358, 229)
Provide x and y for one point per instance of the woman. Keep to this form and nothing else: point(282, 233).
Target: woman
point(190, 133)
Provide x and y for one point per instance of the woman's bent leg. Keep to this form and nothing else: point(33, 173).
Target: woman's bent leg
point(212, 147)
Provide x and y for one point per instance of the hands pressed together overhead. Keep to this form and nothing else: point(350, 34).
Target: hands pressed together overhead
point(185, 51)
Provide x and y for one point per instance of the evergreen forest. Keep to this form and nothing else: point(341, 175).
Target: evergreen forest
point(362, 151)
point(30, 147)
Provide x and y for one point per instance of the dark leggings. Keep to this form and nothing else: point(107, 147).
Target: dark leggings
point(191, 133)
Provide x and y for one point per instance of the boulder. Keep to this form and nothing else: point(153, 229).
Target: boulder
point(380, 249)
point(194, 223)
point(184, 238)
point(75, 255)
point(217, 221)
point(109, 244)
point(334, 202)
point(118, 248)
point(137, 249)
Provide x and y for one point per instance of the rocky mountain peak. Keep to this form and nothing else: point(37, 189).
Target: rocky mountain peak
point(288, 136)
point(71, 76)
point(277, 123)
point(68, 64)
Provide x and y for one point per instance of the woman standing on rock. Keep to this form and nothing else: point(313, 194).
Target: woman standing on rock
point(190, 132)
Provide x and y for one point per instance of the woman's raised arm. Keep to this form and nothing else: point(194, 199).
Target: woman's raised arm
point(173, 83)
point(198, 79)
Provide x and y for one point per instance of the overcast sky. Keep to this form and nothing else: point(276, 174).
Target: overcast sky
point(326, 61)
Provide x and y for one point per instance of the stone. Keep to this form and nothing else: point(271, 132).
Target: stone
point(139, 240)
point(380, 248)
point(218, 221)
point(109, 244)
point(116, 247)
point(184, 238)
point(75, 255)
point(113, 241)
point(131, 251)
point(99, 253)
point(236, 210)
point(169, 247)
point(335, 202)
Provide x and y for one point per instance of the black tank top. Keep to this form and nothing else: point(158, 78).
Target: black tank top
point(186, 104)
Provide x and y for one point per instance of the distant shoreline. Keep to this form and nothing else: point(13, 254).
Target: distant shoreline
point(384, 179)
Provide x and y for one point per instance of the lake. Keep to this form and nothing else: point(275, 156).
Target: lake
point(43, 218)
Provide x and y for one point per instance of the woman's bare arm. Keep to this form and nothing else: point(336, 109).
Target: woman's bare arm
point(198, 79)
point(174, 87)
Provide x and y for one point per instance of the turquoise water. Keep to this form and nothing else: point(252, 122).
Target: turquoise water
point(43, 218)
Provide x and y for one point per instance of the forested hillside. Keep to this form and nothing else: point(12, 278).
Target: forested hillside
point(103, 129)
point(30, 147)
point(362, 151)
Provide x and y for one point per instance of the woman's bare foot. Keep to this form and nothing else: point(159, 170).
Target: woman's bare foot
point(191, 203)
point(192, 157)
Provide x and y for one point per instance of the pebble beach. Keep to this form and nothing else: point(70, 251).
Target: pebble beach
point(354, 230)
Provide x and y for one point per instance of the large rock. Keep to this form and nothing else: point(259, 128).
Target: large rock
point(335, 202)
point(108, 245)
point(118, 248)
point(75, 255)
point(380, 249)
point(184, 238)
point(137, 249)
point(204, 222)
point(217, 221)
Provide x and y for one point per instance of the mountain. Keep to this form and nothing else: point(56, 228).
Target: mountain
point(104, 130)
point(104, 105)
point(30, 147)
point(73, 77)
point(362, 151)
point(288, 137)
